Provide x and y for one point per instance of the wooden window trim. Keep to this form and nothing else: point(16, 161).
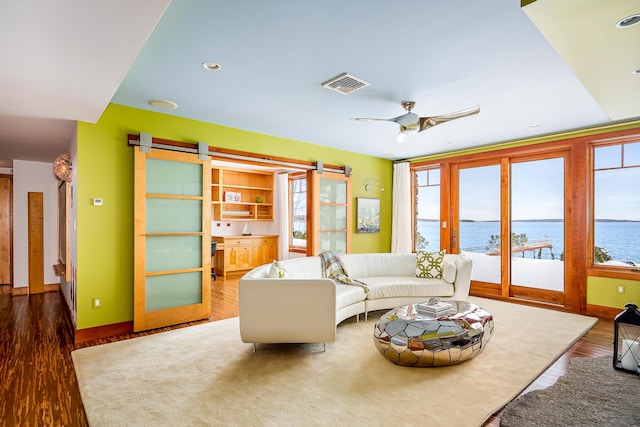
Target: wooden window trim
point(579, 185)
point(593, 269)
point(292, 247)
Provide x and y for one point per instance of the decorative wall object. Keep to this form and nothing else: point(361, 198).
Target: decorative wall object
point(231, 196)
point(62, 167)
point(372, 184)
point(368, 215)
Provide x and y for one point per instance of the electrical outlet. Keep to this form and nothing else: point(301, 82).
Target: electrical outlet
point(96, 303)
point(621, 289)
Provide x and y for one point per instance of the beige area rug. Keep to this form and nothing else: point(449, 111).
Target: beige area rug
point(205, 376)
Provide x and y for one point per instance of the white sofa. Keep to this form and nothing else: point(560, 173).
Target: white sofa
point(306, 308)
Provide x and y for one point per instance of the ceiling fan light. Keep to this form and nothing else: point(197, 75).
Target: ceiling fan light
point(211, 66)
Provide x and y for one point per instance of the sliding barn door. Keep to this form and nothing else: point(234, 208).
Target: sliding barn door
point(329, 207)
point(172, 250)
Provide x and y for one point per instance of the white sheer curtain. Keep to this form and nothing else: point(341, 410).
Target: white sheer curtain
point(283, 202)
point(401, 209)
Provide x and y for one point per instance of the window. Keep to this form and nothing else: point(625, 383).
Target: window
point(616, 205)
point(298, 212)
point(427, 210)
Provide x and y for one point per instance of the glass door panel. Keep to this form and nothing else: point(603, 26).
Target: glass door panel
point(174, 178)
point(333, 215)
point(173, 290)
point(333, 241)
point(537, 224)
point(427, 208)
point(329, 221)
point(172, 239)
point(174, 215)
point(479, 221)
point(333, 191)
point(173, 252)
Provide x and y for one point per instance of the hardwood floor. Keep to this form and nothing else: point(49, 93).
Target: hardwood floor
point(38, 384)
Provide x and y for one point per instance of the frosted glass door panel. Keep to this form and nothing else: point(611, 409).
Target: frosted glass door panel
point(173, 290)
point(329, 220)
point(175, 178)
point(174, 215)
point(173, 252)
point(333, 241)
point(333, 191)
point(479, 227)
point(333, 217)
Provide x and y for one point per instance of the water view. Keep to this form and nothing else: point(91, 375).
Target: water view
point(619, 239)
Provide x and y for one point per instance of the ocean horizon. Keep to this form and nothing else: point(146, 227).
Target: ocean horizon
point(619, 238)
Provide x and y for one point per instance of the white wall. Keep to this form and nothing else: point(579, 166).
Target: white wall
point(34, 177)
point(69, 289)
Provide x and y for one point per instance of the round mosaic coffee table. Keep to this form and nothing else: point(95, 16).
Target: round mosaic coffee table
point(408, 338)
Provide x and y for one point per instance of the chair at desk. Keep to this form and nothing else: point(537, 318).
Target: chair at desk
point(213, 253)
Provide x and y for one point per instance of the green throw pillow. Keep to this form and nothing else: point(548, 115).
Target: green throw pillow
point(429, 264)
point(277, 271)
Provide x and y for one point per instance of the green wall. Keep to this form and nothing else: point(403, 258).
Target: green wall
point(604, 291)
point(105, 170)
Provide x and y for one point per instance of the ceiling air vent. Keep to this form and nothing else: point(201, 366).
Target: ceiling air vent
point(345, 83)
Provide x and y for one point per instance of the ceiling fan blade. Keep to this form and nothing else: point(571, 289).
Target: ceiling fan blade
point(427, 122)
point(371, 119)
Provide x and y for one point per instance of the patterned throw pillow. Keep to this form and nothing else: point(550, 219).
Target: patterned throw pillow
point(429, 264)
point(277, 271)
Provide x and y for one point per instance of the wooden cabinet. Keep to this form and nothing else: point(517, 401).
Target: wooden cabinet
point(241, 195)
point(266, 250)
point(237, 253)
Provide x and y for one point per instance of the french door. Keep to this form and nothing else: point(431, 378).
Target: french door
point(172, 223)
point(329, 213)
point(509, 218)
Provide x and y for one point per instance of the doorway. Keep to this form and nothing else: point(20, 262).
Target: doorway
point(509, 218)
point(6, 230)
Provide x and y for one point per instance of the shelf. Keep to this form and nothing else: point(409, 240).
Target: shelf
point(234, 194)
point(247, 188)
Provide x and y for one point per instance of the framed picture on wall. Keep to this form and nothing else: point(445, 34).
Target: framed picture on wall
point(368, 215)
point(231, 196)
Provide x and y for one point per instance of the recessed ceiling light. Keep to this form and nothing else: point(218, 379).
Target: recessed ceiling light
point(163, 103)
point(629, 21)
point(636, 71)
point(534, 125)
point(211, 66)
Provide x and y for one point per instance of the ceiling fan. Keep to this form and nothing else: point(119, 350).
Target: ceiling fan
point(412, 123)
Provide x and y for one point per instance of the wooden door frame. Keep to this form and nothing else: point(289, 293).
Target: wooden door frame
point(576, 207)
point(144, 320)
point(7, 206)
point(313, 208)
